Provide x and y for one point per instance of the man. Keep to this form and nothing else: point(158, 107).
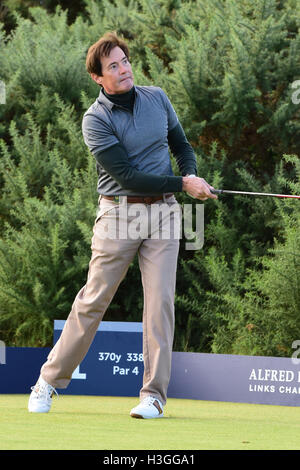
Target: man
point(128, 129)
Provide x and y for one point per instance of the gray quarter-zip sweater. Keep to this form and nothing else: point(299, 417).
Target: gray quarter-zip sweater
point(130, 135)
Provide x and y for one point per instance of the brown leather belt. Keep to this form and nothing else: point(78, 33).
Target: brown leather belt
point(139, 199)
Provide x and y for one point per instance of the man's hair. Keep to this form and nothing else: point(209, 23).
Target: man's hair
point(102, 48)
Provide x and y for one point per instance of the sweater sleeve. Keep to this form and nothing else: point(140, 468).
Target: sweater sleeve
point(115, 162)
point(182, 151)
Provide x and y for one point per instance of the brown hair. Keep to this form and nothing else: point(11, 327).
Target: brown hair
point(102, 48)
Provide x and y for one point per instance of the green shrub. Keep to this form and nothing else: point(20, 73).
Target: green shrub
point(228, 68)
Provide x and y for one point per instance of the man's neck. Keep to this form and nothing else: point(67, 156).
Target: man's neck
point(122, 99)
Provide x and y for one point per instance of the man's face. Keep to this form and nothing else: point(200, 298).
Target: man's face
point(116, 75)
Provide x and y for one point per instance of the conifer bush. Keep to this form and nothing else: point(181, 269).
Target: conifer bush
point(228, 68)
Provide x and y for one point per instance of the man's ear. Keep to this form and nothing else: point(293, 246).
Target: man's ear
point(97, 78)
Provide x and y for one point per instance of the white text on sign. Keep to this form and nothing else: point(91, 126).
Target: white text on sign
point(115, 358)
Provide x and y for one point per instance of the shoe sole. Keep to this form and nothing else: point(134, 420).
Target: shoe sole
point(134, 415)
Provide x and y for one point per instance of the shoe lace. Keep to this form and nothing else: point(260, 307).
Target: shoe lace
point(148, 401)
point(44, 390)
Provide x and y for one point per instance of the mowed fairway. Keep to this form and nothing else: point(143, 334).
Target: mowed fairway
point(88, 422)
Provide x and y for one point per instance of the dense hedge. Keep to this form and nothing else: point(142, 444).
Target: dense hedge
point(229, 68)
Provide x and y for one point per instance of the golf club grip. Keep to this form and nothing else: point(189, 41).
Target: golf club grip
point(216, 191)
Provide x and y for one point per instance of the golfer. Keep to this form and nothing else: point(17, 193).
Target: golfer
point(129, 129)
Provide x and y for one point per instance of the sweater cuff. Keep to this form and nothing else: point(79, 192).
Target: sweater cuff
point(175, 183)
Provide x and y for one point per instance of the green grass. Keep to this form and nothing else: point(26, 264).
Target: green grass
point(88, 422)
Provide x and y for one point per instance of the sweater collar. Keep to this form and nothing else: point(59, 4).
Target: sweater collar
point(125, 100)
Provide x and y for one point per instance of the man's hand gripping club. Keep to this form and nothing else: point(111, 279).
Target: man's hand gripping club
point(197, 188)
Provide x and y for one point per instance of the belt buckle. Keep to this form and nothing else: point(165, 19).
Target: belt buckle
point(116, 199)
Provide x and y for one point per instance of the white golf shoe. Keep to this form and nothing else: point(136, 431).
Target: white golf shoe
point(40, 399)
point(150, 407)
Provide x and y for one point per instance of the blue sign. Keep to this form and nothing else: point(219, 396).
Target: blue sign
point(21, 368)
point(114, 363)
point(114, 366)
point(234, 378)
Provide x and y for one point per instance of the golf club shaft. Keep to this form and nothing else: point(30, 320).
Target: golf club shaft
point(249, 193)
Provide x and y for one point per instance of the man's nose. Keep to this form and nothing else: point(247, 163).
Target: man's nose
point(122, 68)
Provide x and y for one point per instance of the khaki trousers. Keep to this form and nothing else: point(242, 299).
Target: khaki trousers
point(120, 232)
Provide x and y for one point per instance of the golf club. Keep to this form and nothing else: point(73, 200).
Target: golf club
point(249, 193)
